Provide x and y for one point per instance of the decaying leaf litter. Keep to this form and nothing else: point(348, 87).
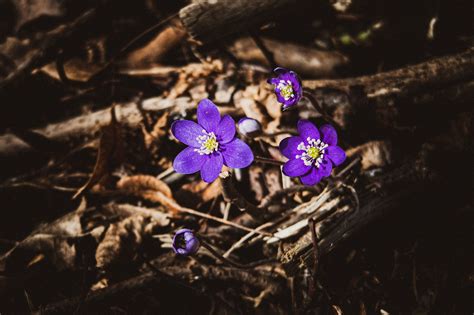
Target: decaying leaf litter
point(91, 201)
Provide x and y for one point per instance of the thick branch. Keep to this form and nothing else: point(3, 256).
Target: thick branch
point(449, 73)
point(90, 124)
point(203, 18)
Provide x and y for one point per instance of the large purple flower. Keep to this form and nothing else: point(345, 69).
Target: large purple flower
point(311, 156)
point(212, 144)
point(288, 88)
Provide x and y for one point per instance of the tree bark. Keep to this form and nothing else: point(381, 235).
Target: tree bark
point(443, 75)
point(203, 18)
point(89, 125)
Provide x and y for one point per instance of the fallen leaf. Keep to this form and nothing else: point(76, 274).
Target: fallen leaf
point(110, 153)
point(373, 153)
point(139, 183)
point(121, 241)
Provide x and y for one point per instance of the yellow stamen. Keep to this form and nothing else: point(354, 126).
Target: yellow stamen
point(210, 144)
point(286, 91)
point(313, 153)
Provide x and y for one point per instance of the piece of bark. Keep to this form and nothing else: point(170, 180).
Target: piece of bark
point(153, 52)
point(342, 224)
point(203, 18)
point(89, 125)
point(101, 298)
point(309, 62)
point(48, 49)
point(449, 75)
point(167, 281)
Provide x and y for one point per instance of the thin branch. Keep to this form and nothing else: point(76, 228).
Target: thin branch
point(233, 263)
point(261, 45)
point(232, 195)
point(268, 161)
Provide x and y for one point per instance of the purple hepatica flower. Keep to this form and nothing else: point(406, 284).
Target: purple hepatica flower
point(311, 156)
point(185, 242)
point(212, 144)
point(288, 88)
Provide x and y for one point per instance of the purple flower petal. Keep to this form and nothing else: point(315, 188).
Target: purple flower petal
point(187, 132)
point(289, 146)
point(185, 242)
point(273, 81)
point(188, 161)
point(307, 129)
point(295, 167)
point(192, 243)
point(329, 134)
point(336, 154)
point(312, 178)
point(289, 77)
point(212, 167)
point(282, 100)
point(208, 115)
point(225, 130)
point(325, 167)
point(237, 154)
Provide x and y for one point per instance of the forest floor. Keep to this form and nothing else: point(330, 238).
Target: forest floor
point(91, 201)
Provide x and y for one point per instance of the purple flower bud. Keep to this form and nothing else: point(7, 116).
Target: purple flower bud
point(249, 127)
point(185, 242)
point(288, 88)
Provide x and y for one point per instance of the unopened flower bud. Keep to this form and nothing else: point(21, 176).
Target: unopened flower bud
point(185, 242)
point(249, 127)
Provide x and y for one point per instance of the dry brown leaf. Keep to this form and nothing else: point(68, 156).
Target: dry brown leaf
point(204, 190)
point(75, 69)
point(48, 242)
point(55, 249)
point(273, 180)
point(28, 11)
point(127, 210)
point(248, 100)
point(193, 75)
point(121, 241)
point(373, 153)
point(211, 191)
point(159, 197)
point(140, 183)
point(110, 153)
point(150, 188)
point(256, 184)
point(158, 47)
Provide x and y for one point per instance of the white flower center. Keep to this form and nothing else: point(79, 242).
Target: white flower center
point(313, 152)
point(208, 142)
point(286, 89)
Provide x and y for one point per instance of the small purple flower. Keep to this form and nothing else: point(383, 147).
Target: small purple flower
point(185, 242)
point(212, 144)
point(288, 88)
point(311, 156)
point(249, 127)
